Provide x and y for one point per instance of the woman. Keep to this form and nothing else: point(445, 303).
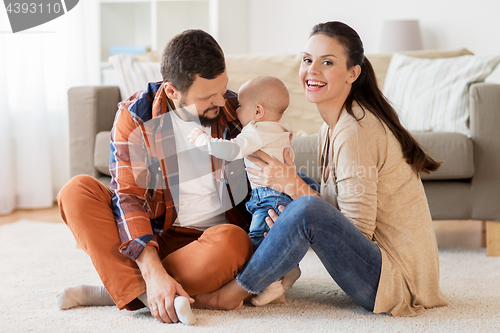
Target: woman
point(370, 225)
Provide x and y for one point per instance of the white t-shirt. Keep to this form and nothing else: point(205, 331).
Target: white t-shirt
point(198, 205)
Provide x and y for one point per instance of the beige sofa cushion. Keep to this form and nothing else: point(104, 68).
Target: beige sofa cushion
point(454, 149)
point(302, 116)
point(101, 152)
point(433, 94)
point(380, 62)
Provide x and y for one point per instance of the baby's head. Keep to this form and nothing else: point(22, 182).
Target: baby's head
point(263, 98)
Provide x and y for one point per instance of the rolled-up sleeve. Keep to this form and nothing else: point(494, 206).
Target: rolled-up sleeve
point(129, 179)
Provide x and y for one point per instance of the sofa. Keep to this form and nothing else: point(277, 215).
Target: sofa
point(466, 187)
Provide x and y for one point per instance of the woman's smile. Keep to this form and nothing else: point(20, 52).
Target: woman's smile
point(313, 85)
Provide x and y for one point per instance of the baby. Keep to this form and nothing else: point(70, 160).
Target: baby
point(262, 103)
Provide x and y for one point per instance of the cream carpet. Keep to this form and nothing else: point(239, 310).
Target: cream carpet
point(39, 259)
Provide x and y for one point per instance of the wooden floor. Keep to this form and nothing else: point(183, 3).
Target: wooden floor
point(469, 234)
point(44, 215)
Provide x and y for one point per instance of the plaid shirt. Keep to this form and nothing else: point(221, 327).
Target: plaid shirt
point(144, 169)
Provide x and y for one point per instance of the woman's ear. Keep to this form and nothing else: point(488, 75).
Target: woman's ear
point(171, 92)
point(354, 73)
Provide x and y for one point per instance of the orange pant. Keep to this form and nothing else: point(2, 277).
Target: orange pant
point(200, 261)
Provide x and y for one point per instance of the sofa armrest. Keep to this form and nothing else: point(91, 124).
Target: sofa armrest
point(485, 133)
point(91, 109)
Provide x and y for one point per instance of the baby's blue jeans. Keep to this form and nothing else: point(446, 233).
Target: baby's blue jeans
point(263, 199)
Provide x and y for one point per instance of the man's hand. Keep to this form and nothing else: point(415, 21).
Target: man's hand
point(161, 294)
point(161, 287)
point(195, 134)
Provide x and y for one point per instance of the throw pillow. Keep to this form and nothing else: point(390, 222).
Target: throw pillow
point(380, 61)
point(134, 74)
point(433, 94)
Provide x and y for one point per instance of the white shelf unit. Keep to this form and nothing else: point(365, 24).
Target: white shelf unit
point(152, 23)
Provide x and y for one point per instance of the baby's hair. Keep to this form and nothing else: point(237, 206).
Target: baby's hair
point(271, 92)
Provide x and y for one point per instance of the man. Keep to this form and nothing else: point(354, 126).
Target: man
point(172, 222)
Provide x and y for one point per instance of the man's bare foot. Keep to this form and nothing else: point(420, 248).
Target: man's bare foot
point(227, 297)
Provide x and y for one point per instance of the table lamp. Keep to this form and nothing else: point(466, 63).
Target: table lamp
point(400, 35)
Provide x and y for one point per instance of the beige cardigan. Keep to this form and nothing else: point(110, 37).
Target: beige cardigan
point(385, 199)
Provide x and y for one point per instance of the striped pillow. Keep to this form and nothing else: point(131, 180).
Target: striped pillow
point(134, 74)
point(433, 94)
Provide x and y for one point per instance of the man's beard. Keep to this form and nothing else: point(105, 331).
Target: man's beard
point(202, 119)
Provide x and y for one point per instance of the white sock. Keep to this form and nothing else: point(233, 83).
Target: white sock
point(83, 295)
point(144, 299)
point(182, 309)
point(290, 277)
point(272, 292)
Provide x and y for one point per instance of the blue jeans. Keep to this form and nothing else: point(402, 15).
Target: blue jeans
point(263, 199)
point(351, 259)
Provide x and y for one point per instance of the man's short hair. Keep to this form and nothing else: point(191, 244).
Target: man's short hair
point(189, 53)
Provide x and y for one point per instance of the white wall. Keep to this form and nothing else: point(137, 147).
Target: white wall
point(277, 26)
point(233, 26)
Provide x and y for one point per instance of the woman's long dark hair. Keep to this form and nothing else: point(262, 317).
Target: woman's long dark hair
point(368, 95)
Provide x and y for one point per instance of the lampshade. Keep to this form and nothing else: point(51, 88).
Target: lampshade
point(400, 35)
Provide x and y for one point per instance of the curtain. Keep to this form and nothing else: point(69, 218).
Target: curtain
point(37, 67)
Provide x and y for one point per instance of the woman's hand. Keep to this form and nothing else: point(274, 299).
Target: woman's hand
point(273, 217)
point(279, 176)
point(274, 174)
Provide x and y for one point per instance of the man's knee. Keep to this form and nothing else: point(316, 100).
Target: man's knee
point(216, 257)
point(234, 241)
point(79, 185)
point(79, 193)
point(75, 185)
point(240, 242)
